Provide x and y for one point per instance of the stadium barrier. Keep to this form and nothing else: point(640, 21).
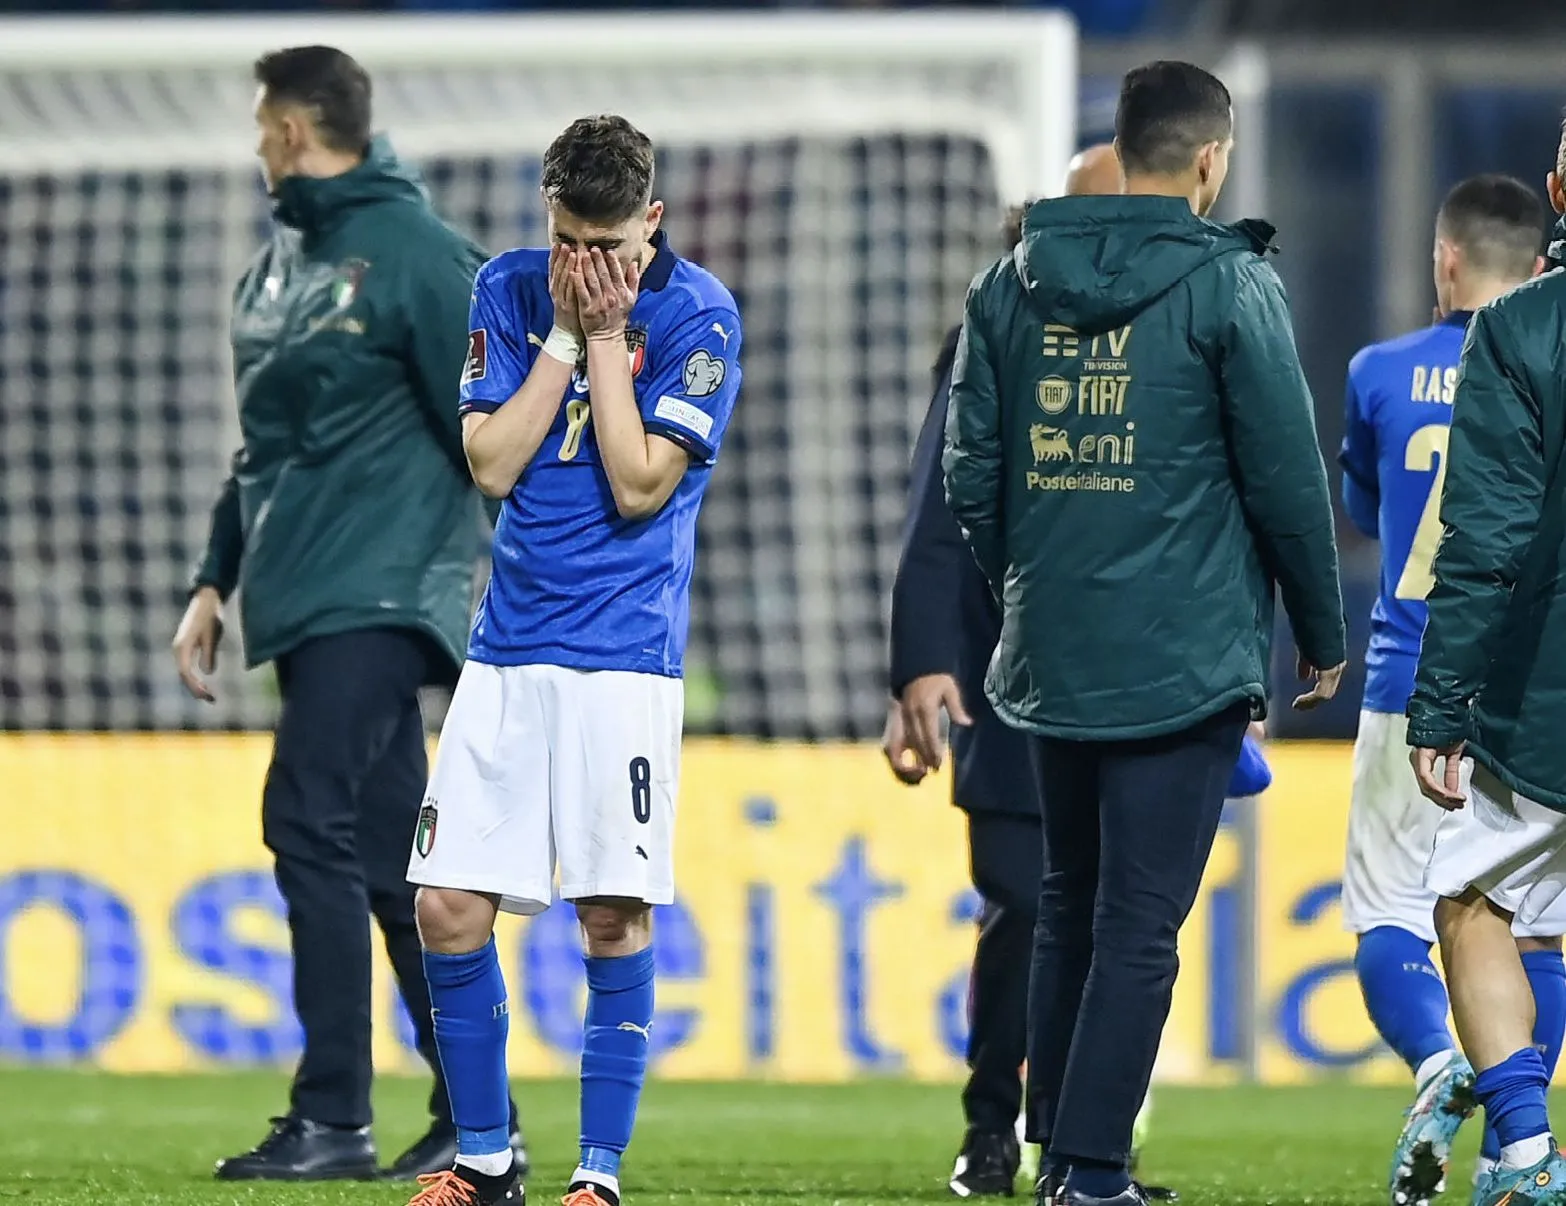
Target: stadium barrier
point(822, 932)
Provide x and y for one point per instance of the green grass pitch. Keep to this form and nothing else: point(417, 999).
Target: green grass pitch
point(84, 1138)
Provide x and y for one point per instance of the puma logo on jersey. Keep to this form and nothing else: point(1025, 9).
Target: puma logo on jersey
point(722, 334)
point(644, 1031)
point(535, 340)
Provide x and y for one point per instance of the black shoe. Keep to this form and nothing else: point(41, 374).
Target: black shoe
point(436, 1152)
point(1132, 1195)
point(1048, 1189)
point(987, 1165)
point(462, 1186)
point(301, 1150)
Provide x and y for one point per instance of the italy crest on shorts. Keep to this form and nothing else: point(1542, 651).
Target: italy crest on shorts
point(424, 833)
point(636, 344)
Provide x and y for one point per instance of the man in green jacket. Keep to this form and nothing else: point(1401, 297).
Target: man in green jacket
point(1131, 452)
point(1488, 711)
point(350, 526)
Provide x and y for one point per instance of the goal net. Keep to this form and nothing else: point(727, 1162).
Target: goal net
point(842, 175)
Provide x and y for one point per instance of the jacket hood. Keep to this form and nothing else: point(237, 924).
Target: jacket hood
point(1094, 263)
point(312, 204)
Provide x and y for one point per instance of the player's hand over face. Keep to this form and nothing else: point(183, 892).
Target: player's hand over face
point(560, 290)
point(905, 764)
point(1440, 786)
point(923, 701)
point(1323, 689)
point(196, 641)
point(605, 290)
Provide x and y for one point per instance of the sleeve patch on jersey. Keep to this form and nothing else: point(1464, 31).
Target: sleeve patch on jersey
point(703, 374)
point(682, 414)
point(477, 363)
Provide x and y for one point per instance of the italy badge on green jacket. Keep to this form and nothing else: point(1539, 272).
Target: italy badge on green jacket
point(346, 287)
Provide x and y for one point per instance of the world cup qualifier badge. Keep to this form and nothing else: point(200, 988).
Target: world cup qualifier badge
point(424, 833)
point(636, 344)
point(350, 273)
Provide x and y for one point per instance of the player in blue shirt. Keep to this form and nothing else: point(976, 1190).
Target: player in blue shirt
point(1399, 406)
point(600, 377)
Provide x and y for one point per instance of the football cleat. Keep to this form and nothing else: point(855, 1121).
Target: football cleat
point(1541, 1184)
point(1424, 1149)
point(462, 1186)
point(589, 1193)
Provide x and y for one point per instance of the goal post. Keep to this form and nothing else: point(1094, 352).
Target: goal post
point(842, 173)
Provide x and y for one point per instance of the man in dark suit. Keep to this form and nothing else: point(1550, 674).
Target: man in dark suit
point(945, 625)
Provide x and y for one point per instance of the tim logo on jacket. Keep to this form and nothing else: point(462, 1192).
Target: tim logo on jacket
point(1096, 386)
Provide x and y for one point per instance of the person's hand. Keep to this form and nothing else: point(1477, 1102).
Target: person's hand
point(1258, 731)
point(605, 290)
point(196, 641)
point(923, 701)
point(1441, 789)
point(905, 764)
point(1323, 689)
point(560, 291)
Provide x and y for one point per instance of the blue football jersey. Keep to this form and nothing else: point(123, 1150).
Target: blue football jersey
point(572, 582)
point(1399, 412)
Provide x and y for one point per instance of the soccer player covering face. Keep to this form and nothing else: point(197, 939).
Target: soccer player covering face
point(1397, 426)
point(601, 375)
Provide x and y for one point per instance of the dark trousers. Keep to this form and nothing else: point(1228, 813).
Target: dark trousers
point(341, 802)
point(1128, 827)
point(1006, 856)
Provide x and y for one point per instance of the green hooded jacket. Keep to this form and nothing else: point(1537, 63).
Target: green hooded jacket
point(1492, 669)
point(349, 505)
point(1131, 451)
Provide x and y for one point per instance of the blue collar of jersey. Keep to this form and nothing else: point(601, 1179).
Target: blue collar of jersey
point(1457, 318)
point(661, 267)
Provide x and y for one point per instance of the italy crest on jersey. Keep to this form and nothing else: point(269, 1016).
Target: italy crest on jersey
point(424, 833)
point(636, 344)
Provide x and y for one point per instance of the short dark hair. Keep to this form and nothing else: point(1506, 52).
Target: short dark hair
point(327, 82)
point(1498, 221)
point(600, 169)
point(1168, 111)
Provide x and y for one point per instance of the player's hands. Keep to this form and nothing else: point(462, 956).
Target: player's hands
point(560, 290)
point(923, 701)
point(605, 290)
point(1323, 689)
point(905, 764)
point(1441, 788)
point(196, 641)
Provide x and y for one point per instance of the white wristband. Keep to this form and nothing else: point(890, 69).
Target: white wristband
point(564, 346)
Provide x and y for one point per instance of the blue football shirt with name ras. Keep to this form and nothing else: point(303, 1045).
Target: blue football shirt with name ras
point(572, 582)
point(1399, 413)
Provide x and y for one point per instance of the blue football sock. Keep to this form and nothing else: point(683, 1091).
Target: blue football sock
point(1547, 977)
point(468, 996)
point(1513, 1096)
point(614, 1055)
point(1403, 993)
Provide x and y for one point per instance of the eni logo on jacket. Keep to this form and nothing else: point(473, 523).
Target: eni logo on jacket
point(1065, 459)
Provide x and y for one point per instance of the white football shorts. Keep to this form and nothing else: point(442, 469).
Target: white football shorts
point(1509, 847)
point(545, 767)
point(1392, 837)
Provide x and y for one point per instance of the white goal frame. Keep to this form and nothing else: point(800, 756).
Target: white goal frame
point(1030, 151)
